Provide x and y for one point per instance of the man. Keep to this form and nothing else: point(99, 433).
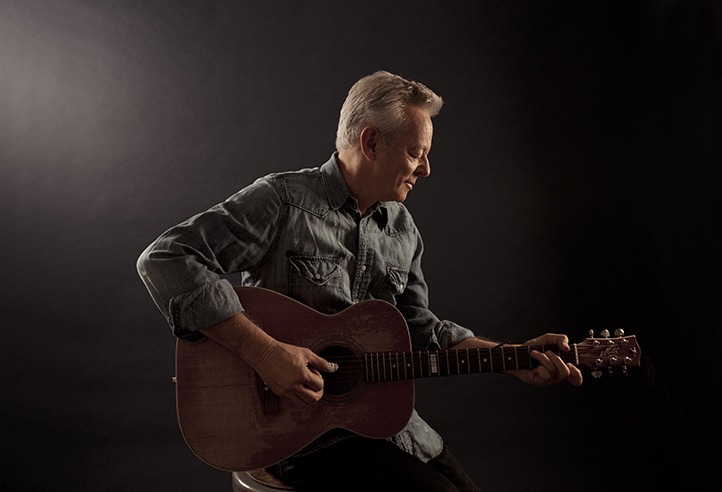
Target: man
point(330, 237)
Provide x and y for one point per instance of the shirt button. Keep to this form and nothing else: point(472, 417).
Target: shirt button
point(363, 268)
point(318, 275)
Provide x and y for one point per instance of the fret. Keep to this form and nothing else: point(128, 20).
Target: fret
point(369, 367)
point(516, 357)
point(379, 366)
point(433, 364)
point(478, 355)
point(468, 362)
point(491, 360)
point(448, 366)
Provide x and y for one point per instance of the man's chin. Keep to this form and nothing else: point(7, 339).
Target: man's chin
point(401, 197)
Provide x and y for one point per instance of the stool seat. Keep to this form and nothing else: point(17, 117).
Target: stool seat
point(260, 480)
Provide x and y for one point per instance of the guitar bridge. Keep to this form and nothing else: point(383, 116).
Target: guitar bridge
point(271, 401)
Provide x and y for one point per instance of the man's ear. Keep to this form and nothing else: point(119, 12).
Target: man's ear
point(371, 142)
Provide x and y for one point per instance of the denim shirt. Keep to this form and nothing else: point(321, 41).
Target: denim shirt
point(299, 233)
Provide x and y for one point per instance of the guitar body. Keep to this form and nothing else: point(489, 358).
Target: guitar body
point(232, 422)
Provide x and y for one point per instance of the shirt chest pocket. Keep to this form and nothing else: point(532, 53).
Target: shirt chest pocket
point(394, 284)
point(318, 270)
point(317, 281)
point(396, 279)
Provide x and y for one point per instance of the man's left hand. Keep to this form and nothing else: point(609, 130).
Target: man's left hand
point(552, 368)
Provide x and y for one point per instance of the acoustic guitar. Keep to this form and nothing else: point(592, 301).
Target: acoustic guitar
point(232, 421)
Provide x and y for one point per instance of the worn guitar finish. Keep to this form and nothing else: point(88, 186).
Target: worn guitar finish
point(233, 422)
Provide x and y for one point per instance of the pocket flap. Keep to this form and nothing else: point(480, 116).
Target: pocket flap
point(317, 269)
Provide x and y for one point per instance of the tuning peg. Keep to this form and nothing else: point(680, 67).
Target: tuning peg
point(591, 333)
point(605, 333)
point(618, 332)
point(596, 374)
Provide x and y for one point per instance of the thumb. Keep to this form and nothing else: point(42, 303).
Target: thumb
point(322, 364)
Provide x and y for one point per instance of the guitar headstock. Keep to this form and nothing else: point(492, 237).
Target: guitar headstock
point(598, 353)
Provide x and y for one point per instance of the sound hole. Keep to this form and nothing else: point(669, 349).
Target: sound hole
point(349, 374)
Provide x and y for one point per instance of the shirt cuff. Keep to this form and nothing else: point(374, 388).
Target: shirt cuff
point(207, 305)
point(451, 334)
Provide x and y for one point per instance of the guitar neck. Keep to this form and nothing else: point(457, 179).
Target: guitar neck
point(393, 366)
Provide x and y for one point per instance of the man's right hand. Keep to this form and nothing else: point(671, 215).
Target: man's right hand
point(293, 372)
point(288, 370)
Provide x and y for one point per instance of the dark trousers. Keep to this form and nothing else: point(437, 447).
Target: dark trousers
point(361, 464)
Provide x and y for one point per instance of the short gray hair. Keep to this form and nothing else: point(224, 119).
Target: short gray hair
point(380, 100)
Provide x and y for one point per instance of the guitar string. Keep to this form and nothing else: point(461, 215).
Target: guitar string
point(380, 366)
point(383, 368)
point(452, 353)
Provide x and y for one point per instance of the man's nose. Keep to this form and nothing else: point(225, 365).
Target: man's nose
point(424, 168)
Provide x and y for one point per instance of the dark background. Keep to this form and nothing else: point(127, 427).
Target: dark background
point(575, 177)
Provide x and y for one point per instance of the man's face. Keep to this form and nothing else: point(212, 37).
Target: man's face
point(398, 168)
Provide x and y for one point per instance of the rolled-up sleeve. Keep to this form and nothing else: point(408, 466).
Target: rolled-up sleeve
point(182, 268)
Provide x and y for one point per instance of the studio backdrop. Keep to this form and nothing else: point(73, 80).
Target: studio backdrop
point(575, 176)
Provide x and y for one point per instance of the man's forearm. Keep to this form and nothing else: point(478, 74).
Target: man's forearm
point(242, 337)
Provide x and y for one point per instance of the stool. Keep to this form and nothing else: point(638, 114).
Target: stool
point(258, 481)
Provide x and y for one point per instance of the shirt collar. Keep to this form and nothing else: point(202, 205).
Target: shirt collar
point(336, 188)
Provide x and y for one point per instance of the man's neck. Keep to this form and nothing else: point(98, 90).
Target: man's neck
point(350, 165)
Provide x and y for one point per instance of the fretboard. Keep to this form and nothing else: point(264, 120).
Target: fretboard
point(392, 366)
